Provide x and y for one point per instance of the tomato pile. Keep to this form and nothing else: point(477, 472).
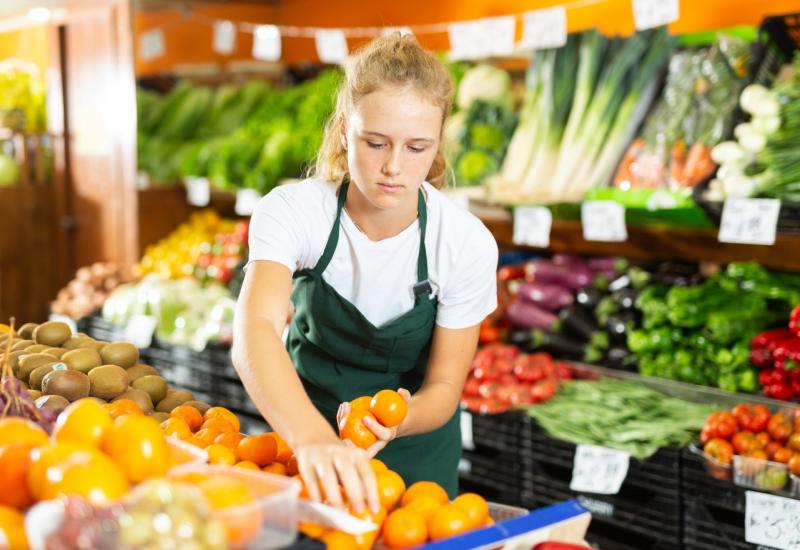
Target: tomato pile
point(501, 377)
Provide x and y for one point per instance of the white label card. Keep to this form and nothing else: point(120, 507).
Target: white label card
point(224, 37)
point(464, 466)
point(267, 43)
point(544, 28)
point(772, 521)
point(599, 470)
point(140, 330)
point(331, 46)
point(749, 221)
point(603, 221)
point(246, 201)
point(491, 36)
point(198, 191)
point(404, 31)
point(654, 13)
point(466, 431)
point(532, 225)
point(69, 321)
point(151, 44)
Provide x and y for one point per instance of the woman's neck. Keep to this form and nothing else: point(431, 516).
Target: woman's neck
point(378, 224)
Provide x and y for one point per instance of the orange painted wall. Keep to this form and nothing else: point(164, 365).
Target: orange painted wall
point(30, 45)
point(188, 40)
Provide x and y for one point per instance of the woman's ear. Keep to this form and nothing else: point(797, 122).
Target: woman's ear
point(343, 130)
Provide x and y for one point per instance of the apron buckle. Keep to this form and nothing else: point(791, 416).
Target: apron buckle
point(422, 287)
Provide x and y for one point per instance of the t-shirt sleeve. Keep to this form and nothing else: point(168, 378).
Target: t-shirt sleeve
point(470, 294)
point(276, 231)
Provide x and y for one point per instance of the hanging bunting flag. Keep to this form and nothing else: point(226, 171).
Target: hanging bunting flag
point(267, 43)
point(331, 46)
point(151, 44)
point(224, 37)
point(544, 28)
point(491, 36)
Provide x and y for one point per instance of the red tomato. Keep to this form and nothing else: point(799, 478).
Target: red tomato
point(488, 389)
point(486, 374)
point(471, 387)
point(753, 418)
point(794, 442)
point(504, 365)
point(762, 439)
point(720, 450)
point(543, 390)
point(771, 448)
point(779, 427)
point(782, 455)
point(794, 464)
point(743, 442)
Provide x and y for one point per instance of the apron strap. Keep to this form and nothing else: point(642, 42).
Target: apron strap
point(422, 258)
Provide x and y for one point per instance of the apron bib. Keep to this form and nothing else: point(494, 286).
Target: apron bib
point(340, 355)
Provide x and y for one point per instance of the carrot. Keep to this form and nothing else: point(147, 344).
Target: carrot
point(677, 163)
point(698, 165)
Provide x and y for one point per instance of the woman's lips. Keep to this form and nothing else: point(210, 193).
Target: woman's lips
point(390, 187)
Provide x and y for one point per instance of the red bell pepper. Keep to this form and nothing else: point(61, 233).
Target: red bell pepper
point(794, 320)
point(788, 353)
point(770, 339)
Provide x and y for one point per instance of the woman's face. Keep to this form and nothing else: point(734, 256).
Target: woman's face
point(392, 138)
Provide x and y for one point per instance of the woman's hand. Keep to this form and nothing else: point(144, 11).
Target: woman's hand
point(325, 464)
point(384, 434)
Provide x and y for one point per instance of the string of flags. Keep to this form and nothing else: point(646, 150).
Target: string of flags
point(469, 40)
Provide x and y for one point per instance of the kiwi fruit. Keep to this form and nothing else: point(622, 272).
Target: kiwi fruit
point(56, 352)
point(26, 330)
point(13, 360)
point(172, 400)
point(91, 344)
point(82, 360)
point(108, 381)
point(74, 342)
point(9, 342)
point(38, 374)
point(199, 405)
point(37, 348)
point(155, 386)
point(159, 416)
point(35, 394)
point(123, 354)
point(21, 345)
point(137, 371)
point(55, 402)
point(28, 363)
point(140, 397)
point(69, 384)
point(52, 334)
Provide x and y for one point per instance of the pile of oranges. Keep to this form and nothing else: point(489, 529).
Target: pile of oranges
point(387, 407)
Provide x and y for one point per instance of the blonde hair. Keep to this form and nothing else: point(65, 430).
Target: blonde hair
point(392, 60)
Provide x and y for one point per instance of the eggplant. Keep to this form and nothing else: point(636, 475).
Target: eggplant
point(572, 277)
point(620, 357)
point(619, 324)
point(610, 263)
point(589, 296)
point(548, 296)
point(560, 345)
point(576, 320)
point(568, 260)
point(527, 315)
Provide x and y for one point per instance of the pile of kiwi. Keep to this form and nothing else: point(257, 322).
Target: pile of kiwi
point(57, 367)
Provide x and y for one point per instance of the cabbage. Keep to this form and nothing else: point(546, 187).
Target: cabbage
point(485, 82)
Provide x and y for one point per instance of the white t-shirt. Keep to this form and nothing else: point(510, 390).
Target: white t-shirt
point(291, 224)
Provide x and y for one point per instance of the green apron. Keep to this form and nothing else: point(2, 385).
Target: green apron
point(340, 355)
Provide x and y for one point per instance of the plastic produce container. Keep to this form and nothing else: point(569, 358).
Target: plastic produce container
point(760, 474)
point(184, 454)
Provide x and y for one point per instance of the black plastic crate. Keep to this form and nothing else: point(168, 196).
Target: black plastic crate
point(497, 478)
point(506, 432)
point(98, 328)
point(607, 536)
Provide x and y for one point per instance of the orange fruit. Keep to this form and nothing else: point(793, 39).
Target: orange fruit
point(311, 529)
point(475, 507)
point(367, 540)
point(291, 466)
point(88, 473)
point(84, 421)
point(261, 449)
point(449, 520)
point(223, 492)
point(122, 406)
point(284, 451)
point(404, 528)
point(220, 454)
point(220, 424)
point(139, 446)
point(339, 540)
point(424, 506)
point(489, 522)
point(275, 468)
point(360, 403)
point(247, 465)
point(390, 488)
point(352, 427)
point(230, 439)
point(388, 407)
point(377, 465)
point(176, 427)
point(14, 464)
point(14, 429)
point(426, 488)
point(12, 529)
point(41, 458)
point(205, 437)
point(188, 414)
point(225, 414)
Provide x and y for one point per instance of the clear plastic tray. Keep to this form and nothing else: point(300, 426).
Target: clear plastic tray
point(276, 504)
point(760, 474)
point(714, 467)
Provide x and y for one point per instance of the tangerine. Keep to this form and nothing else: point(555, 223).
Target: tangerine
point(390, 488)
point(14, 465)
point(475, 507)
point(339, 540)
point(205, 437)
point(188, 414)
point(176, 427)
point(261, 449)
point(14, 429)
point(247, 465)
point(84, 421)
point(230, 439)
point(12, 529)
point(367, 540)
point(220, 424)
point(424, 506)
point(139, 446)
point(88, 473)
point(311, 529)
point(389, 408)
point(352, 427)
point(284, 451)
point(41, 458)
point(225, 414)
point(449, 520)
point(276, 468)
point(377, 465)
point(224, 492)
point(220, 454)
point(121, 407)
point(291, 466)
point(426, 488)
point(404, 528)
point(360, 403)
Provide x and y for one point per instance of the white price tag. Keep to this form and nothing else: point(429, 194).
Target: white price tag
point(491, 36)
point(544, 28)
point(599, 470)
point(404, 31)
point(140, 330)
point(466, 431)
point(603, 221)
point(151, 44)
point(224, 37)
point(749, 221)
point(331, 46)
point(654, 13)
point(267, 43)
point(532, 225)
point(464, 466)
point(246, 201)
point(772, 521)
point(69, 321)
point(198, 191)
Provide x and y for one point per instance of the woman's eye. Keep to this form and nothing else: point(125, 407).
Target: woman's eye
point(375, 145)
point(416, 149)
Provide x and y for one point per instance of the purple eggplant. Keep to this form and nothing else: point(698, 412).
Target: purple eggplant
point(610, 263)
point(568, 260)
point(527, 315)
point(548, 296)
point(543, 271)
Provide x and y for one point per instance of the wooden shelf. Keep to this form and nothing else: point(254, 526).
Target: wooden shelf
point(650, 243)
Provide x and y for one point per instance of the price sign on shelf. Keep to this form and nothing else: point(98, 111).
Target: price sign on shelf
point(331, 46)
point(598, 470)
point(198, 191)
point(490, 36)
point(140, 330)
point(151, 44)
point(267, 43)
point(772, 521)
point(648, 14)
point(749, 221)
point(246, 201)
point(224, 41)
point(466, 431)
point(603, 221)
point(544, 28)
point(532, 225)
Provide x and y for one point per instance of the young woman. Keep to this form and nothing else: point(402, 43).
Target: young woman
point(389, 281)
